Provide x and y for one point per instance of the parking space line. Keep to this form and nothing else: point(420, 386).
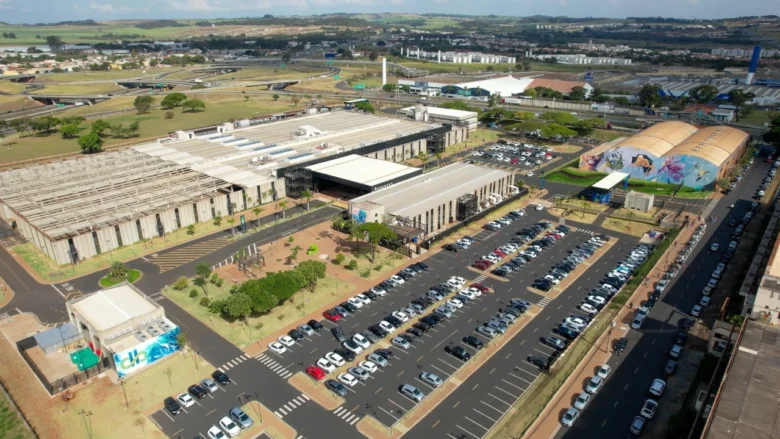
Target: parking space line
point(398, 405)
point(166, 414)
point(521, 379)
point(476, 423)
point(494, 421)
point(483, 402)
point(389, 414)
point(513, 385)
point(517, 368)
point(495, 397)
point(445, 373)
point(510, 394)
point(468, 431)
point(448, 364)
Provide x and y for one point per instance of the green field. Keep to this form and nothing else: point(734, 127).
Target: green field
point(27, 35)
point(11, 426)
point(579, 177)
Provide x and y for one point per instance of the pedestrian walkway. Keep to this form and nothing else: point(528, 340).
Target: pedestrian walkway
point(233, 363)
point(293, 404)
point(480, 278)
point(274, 366)
point(346, 416)
point(544, 302)
point(169, 261)
point(542, 202)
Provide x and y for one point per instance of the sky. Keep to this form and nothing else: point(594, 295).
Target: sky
point(47, 11)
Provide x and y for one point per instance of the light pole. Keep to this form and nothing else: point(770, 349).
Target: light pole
point(122, 385)
point(88, 426)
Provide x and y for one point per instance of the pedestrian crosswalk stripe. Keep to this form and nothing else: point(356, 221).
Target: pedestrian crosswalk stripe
point(301, 400)
point(278, 415)
point(305, 396)
point(339, 410)
point(354, 420)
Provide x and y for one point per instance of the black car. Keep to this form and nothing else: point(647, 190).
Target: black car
point(197, 391)
point(440, 316)
point(458, 352)
point(338, 333)
point(732, 222)
point(539, 362)
point(474, 342)
point(686, 324)
point(511, 310)
point(395, 321)
point(450, 248)
point(422, 266)
point(411, 338)
point(336, 387)
point(681, 338)
point(371, 295)
point(315, 325)
point(556, 343)
point(345, 353)
point(650, 303)
point(422, 326)
point(567, 333)
point(378, 330)
point(350, 307)
point(430, 321)
point(415, 332)
point(373, 338)
point(620, 345)
point(295, 334)
point(404, 276)
point(387, 354)
point(385, 285)
point(221, 377)
point(670, 367)
point(172, 406)
point(501, 271)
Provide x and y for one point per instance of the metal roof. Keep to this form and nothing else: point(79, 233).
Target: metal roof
point(363, 170)
point(660, 138)
point(610, 181)
point(506, 86)
point(111, 307)
point(714, 144)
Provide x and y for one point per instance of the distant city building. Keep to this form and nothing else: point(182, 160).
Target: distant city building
point(458, 57)
point(743, 53)
point(580, 58)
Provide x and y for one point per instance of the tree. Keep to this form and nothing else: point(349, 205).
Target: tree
point(172, 100)
point(44, 124)
point(493, 100)
point(373, 55)
point(202, 273)
point(117, 270)
point(586, 126)
point(193, 105)
point(530, 92)
point(286, 57)
point(458, 105)
point(3, 127)
point(747, 110)
point(738, 97)
point(424, 157)
point(773, 135)
point(169, 115)
point(191, 229)
point(54, 42)
point(312, 271)
point(143, 104)
point(489, 68)
point(91, 143)
point(307, 195)
point(72, 119)
point(238, 305)
point(295, 100)
point(389, 88)
point(282, 205)
point(577, 93)
point(377, 232)
point(723, 182)
point(70, 130)
point(275, 97)
point(560, 117)
point(703, 94)
point(217, 220)
point(650, 95)
point(99, 127)
point(257, 211)
point(553, 130)
point(527, 66)
point(21, 125)
point(231, 221)
point(182, 340)
point(365, 106)
point(621, 100)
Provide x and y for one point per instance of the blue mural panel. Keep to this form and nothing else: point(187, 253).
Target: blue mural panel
point(359, 215)
point(146, 353)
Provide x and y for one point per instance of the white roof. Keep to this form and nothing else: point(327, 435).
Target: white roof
point(362, 170)
point(611, 180)
point(506, 86)
point(113, 306)
point(446, 113)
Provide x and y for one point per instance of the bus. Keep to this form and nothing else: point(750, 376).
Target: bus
point(349, 105)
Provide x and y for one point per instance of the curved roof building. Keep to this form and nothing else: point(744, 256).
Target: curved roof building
point(661, 138)
point(714, 144)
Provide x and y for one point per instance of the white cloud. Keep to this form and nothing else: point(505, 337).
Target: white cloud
point(106, 7)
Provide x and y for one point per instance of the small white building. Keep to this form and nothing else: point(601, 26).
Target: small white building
point(443, 116)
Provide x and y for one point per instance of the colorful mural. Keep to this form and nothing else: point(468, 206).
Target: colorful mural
point(146, 353)
point(690, 171)
point(359, 215)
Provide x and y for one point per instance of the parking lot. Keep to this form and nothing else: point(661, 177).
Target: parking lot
point(379, 395)
point(525, 158)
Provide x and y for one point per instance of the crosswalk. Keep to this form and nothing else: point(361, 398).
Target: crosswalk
point(480, 278)
point(293, 404)
point(234, 362)
point(544, 302)
point(346, 416)
point(274, 366)
point(188, 253)
point(587, 232)
point(540, 201)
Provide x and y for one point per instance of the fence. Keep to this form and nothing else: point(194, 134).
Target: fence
point(65, 382)
point(427, 244)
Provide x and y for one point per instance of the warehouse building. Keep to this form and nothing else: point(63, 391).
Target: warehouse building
point(359, 175)
point(505, 86)
point(433, 201)
point(673, 153)
point(456, 118)
point(76, 209)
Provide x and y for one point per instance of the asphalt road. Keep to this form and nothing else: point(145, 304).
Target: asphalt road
point(609, 414)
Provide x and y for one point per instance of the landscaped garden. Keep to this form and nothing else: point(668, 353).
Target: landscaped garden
point(118, 273)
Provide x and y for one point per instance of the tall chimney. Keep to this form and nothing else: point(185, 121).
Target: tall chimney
point(753, 65)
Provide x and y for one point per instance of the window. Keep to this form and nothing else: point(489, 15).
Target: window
point(195, 211)
point(160, 228)
point(96, 241)
point(178, 218)
point(118, 236)
point(213, 210)
point(139, 229)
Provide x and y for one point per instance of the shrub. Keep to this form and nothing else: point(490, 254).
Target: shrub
point(340, 258)
point(281, 317)
point(352, 265)
point(193, 293)
point(181, 283)
point(378, 267)
point(214, 278)
point(365, 272)
point(204, 301)
point(219, 282)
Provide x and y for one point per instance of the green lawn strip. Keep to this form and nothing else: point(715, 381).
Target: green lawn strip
point(535, 399)
point(256, 327)
point(11, 426)
point(569, 174)
point(132, 276)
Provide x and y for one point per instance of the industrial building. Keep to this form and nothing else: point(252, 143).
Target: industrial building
point(361, 174)
point(457, 118)
point(505, 86)
point(434, 200)
point(672, 152)
point(79, 208)
point(581, 58)
point(124, 325)
point(457, 57)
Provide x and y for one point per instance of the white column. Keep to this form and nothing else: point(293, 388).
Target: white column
point(384, 71)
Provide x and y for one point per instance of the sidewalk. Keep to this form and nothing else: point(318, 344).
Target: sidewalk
point(548, 423)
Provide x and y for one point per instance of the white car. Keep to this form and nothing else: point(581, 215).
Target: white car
point(714, 247)
point(286, 340)
point(457, 281)
point(704, 301)
point(588, 309)
point(277, 347)
point(658, 386)
point(400, 316)
point(348, 379)
point(604, 371)
point(215, 433)
point(185, 400)
point(582, 400)
point(649, 408)
point(379, 291)
point(229, 426)
point(539, 207)
point(363, 298)
point(552, 279)
point(396, 280)
point(456, 303)
point(387, 326)
point(569, 417)
point(352, 346)
point(335, 359)
point(594, 385)
point(306, 329)
point(326, 365)
point(597, 299)
point(361, 341)
point(576, 321)
point(209, 385)
point(369, 366)
point(354, 301)
point(696, 311)
point(468, 293)
point(531, 174)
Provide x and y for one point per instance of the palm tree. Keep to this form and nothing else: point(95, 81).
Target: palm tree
point(437, 154)
point(257, 211)
point(282, 205)
point(230, 221)
point(307, 194)
point(423, 156)
point(117, 270)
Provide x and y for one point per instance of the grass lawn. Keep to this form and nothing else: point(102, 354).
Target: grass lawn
point(77, 89)
point(153, 124)
point(144, 390)
point(580, 217)
point(327, 290)
point(573, 203)
point(11, 426)
point(14, 103)
point(579, 177)
point(12, 88)
point(132, 276)
point(606, 135)
point(628, 227)
point(637, 214)
point(262, 73)
point(565, 148)
point(757, 118)
point(107, 75)
point(575, 176)
point(76, 34)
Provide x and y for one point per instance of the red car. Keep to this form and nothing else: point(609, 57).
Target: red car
point(481, 265)
point(514, 161)
point(332, 315)
point(480, 287)
point(499, 253)
point(315, 372)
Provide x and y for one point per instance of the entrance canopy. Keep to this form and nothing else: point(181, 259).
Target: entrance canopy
point(610, 181)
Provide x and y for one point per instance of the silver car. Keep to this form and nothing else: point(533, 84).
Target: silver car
point(431, 379)
point(412, 392)
point(359, 372)
point(240, 418)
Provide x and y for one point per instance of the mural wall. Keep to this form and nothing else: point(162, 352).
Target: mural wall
point(359, 215)
point(690, 171)
point(146, 353)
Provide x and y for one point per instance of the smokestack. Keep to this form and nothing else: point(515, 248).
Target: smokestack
point(753, 65)
point(384, 71)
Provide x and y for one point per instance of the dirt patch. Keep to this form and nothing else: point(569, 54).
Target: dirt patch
point(632, 228)
point(318, 393)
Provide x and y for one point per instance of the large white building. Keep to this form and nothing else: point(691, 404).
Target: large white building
point(457, 57)
point(583, 59)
